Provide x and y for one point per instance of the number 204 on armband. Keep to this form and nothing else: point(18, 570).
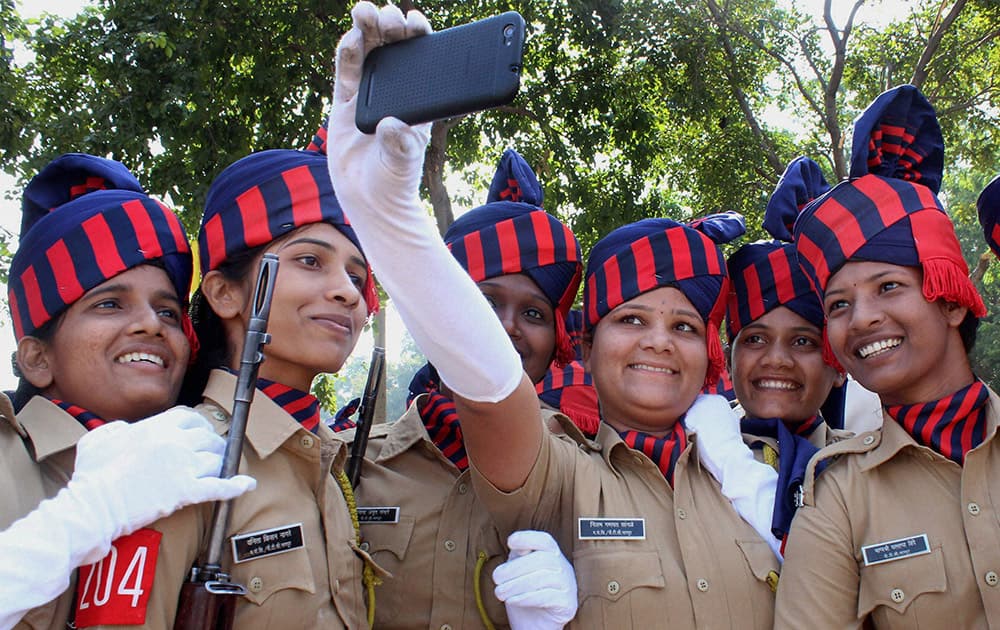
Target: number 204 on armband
point(115, 590)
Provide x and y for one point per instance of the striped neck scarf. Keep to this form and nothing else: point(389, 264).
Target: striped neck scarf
point(302, 406)
point(441, 421)
point(86, 418)
point(806, 428)
point(663, 451)
point(952, 426)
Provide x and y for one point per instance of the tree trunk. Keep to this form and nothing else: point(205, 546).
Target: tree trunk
point(434, 161)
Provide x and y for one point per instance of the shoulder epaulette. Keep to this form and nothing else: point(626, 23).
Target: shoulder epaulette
point(861, 443)
point(7, 411)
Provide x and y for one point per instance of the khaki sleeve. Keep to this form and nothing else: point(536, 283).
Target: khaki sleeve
point(819, 581)
point(182, 535)
point(537, 504)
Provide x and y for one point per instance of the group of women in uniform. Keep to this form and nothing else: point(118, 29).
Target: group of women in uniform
point(671, 511)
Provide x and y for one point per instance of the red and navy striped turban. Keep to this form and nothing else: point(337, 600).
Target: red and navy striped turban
point(87, 219)
point(765, 275)
point(507, 237)
point(988, 205)
point(266, 195)
point(653, 253)
point(888, 210)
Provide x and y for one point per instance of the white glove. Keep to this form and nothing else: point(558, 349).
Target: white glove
point(127, 476)
point(536, 584)
point(748, 484)
point(377, 178)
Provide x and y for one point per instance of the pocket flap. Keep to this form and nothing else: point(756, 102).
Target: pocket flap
point(391, 537)
point(611, 573)
point(897, 583)
point(266, 576)
point(760, 558)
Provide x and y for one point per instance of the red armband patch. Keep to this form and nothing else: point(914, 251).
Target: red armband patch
point(115, 590)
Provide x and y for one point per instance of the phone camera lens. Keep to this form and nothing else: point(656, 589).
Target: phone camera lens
point(508, 31)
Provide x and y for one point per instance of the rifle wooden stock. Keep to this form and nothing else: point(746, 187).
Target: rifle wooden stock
point(365, 416)
point(207, 600)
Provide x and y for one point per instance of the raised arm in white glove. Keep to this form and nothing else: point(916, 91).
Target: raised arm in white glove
point(536, 584)
point(748, 484)
point(377, 180)
point(127, 476)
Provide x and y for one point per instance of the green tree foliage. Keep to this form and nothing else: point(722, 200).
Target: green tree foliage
point(178, 89)
point(628, 109)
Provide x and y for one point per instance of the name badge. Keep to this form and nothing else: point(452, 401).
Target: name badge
point(612, 528)
point(895, 549)
point(378, 514)
point(267, 542)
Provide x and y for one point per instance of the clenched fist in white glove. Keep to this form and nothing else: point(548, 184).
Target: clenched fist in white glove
point(377, 181)
point(536, 584)
point(126, 477)
point(748, 484)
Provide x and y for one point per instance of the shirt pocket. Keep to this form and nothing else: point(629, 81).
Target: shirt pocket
point(761, 560)
point(382, 539)
point(388, 543)
point(617, 587)
point(272, 575)
point(489, 543)
point(890, 588)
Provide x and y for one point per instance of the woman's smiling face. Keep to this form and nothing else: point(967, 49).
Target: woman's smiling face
point(648, 359)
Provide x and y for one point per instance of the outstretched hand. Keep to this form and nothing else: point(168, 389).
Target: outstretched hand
point(381, 171)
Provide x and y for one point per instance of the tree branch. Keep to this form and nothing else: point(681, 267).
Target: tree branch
point(934, 41)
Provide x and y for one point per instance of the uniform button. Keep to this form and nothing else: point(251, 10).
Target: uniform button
point(681, 514)
point(218, 415)
point(307, 441)
point(614, 587)
point(869, 439)
point(897, 595)
point(365, 546)
point(992, 578)
point(256, 584)
point(703, 585)
point(973, 508)
point(449, 545)
point(336, 586)
point(446, 626)
point(463, 488)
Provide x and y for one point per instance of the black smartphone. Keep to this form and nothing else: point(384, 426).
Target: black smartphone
point(456, 71)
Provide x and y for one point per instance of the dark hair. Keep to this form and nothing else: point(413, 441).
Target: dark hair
point(214, 351)
point(968, 329)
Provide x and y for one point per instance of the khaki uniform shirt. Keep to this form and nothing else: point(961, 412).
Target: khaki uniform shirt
point(694, 564)
point(317, 585)
point(887, 493)
point(37, 452)
point(433, 547)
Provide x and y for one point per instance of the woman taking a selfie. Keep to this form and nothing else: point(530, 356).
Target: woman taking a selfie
point(650, 533)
